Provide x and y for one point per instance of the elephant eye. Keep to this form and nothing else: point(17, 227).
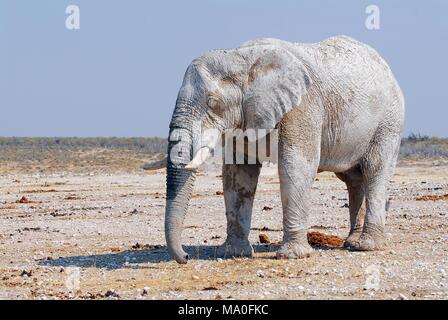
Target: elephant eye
point(212, 102)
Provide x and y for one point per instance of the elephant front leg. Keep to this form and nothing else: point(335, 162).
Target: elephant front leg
point(296, 176)
point(239, 184)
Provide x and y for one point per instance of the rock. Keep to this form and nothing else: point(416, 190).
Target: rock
point(264, 238)
point(26, 273)
point(260, 274)
point(401, 297)
point(24, 200)
point(111, 293)
point(211, 288)
point(139, 246)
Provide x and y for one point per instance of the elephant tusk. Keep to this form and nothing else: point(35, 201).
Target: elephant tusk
point(156, 164)
point(201, 156)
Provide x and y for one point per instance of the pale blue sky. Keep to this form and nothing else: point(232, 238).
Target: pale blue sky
point(119, 74)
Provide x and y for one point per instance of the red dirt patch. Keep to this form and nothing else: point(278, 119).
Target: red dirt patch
point(40, 191)
point(433, 197)
point(318, 239)
point(72, 197)
point(24, 200)
point(139, 246)
point(264, 238)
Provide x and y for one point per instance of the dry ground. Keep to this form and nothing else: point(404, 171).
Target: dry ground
point(100, 235)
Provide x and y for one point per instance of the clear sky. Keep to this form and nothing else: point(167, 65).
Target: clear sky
point(119, 74)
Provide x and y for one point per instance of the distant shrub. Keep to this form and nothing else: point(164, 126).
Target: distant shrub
point(423, 146)
point(417, 137)
point(36, 149)
point(148, 145)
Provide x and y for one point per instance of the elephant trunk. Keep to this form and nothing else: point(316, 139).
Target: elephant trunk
point(179, 183)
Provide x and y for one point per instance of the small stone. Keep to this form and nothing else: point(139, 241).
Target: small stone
point(401, 297)
point(111, 293)
point(25, 273)
point(260, 274)
point(24, 200)
point(194, 277)
point(264, 238)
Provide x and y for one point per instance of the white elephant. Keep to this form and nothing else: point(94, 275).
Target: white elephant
point(337, 107)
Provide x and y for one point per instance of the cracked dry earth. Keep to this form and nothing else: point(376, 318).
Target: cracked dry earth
point(93, 236)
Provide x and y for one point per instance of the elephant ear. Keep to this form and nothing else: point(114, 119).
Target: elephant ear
point(276, 81)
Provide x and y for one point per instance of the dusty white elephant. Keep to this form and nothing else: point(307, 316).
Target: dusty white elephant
point(337, 108)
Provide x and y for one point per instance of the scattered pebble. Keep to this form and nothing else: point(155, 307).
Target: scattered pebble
point(260, 274)
point(111, 293)
point(264, 238)
point(26, 273)
point(401, 297)
point(24, 200)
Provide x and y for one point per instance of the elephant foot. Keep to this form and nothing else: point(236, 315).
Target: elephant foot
point(293, 250)
point(352, 238)
point(235, 250)
point(371, 239)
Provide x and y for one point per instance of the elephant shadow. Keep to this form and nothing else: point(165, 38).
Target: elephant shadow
point(133, 259)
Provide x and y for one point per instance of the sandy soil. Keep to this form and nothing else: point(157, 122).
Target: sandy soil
point(100, 235)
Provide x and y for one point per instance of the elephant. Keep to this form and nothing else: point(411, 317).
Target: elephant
point(336, 106)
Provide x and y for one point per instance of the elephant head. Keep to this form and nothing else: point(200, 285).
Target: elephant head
point(249, 87)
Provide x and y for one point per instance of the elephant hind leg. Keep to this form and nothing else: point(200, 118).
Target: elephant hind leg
point(354, 181)
point(377, 168)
